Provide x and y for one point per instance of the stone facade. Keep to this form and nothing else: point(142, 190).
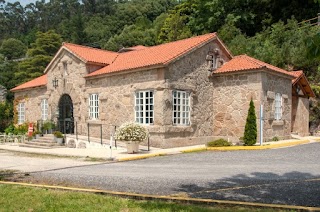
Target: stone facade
point(3, 92)
point(32, 100)
point(219, 103)
point(272, 84)
point(300, 115)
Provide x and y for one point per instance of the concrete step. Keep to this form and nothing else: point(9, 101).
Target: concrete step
point(43, 140)
point(38, 143)
point(40, 147)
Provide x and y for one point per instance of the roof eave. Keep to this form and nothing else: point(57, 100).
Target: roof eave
point(25, 89)
point(125, 71)
point(58, 53)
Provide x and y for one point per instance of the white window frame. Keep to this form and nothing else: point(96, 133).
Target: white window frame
point(278, 107)
point(144, 107)
point(181, 108)
point(21, 113)
point(94, 106)
point(44, 109)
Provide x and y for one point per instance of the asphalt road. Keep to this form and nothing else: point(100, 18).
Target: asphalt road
point(280, 176)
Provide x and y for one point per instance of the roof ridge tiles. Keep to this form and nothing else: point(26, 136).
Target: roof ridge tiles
point(88, 47)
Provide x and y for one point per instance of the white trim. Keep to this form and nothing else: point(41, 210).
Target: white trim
point(181, 108)
point(278, 106)
point(44, 109)
point(93, 106)
point(21, 113)
point(144, 107)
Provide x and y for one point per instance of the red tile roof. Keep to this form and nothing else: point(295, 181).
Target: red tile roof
point(92, 55)
point(244, 62)
point(37, 82)
point(154, 56)
point(139, 47)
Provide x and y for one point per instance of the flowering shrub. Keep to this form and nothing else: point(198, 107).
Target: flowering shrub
point(131, 132)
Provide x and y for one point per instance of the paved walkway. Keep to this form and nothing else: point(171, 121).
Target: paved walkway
point(120, 153)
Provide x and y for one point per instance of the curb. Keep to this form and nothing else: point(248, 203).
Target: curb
point(170, 199)
point(230, 148)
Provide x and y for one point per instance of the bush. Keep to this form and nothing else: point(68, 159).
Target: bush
point(250, 131)
point(21, 129)
point(131, 132)
point(219, 142)
point(275, 138)
point(58, 134)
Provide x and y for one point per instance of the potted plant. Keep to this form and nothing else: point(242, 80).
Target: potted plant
point(48, 126)
point(36, 134)
point(58, 137)
point(131, 133)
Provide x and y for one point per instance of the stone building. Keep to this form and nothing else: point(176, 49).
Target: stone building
point(3, 92)
point(185, 92)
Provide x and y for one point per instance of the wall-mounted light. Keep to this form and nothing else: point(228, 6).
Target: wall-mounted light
point(55, 82)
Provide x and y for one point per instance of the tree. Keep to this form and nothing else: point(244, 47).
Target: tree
point(40, 55)
point(250, 131)
point(13, 48)
point(6, 115)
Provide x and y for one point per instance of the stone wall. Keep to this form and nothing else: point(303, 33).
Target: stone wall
point(32, 99)
point(300, 115)
point(272, 84)
point(3, 92)
point(231, 99)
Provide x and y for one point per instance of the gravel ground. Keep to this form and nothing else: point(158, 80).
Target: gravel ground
point(281, 176)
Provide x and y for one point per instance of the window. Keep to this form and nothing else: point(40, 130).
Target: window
point(214, 62)
point(278, 107)
point(21, 113)
point(94, 106)
point(181, 108)
point(65, 68)
point(44, 109)
point(144, 107)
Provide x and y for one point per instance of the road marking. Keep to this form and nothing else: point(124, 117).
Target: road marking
point(168, 198)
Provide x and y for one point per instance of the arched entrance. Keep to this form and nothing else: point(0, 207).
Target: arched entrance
point(65, 120)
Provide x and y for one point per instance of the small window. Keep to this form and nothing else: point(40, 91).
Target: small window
point(181, 108)
point(65, 68)
point(44, 109)
point(144, 111)
point(21, 113)
point(93, 106)
point(278, 107)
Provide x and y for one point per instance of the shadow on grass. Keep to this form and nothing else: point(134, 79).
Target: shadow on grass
point(292, 188)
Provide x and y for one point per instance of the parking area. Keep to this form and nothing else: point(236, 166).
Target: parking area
point(278, 176)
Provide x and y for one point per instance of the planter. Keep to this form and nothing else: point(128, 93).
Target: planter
point(59, 140)
point(132, 147)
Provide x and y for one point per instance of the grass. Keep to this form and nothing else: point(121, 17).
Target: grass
point(21, 198)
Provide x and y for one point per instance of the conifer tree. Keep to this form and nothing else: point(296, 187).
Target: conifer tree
point(250, 131)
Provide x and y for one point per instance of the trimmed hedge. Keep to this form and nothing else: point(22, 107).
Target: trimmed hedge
point(217, 143)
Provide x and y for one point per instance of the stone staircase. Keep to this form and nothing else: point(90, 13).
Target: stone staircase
point(44, 142)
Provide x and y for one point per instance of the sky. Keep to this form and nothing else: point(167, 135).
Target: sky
point(22, 2)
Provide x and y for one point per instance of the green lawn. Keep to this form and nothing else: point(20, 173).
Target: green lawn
point(20, 198)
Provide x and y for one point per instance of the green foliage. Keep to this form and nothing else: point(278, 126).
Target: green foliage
point(13, 48)
point(275, 138)
point(43, 199)
point(17, 130)
point(48, 125)
point(217, 143)
point(250, 131)
point(6, 115)
point(58, 134)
